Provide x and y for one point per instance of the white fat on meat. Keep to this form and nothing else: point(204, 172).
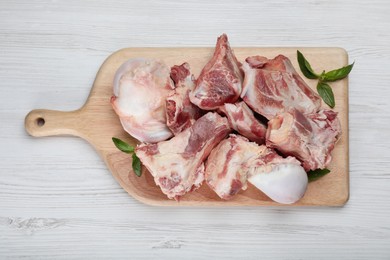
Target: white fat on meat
point(236, 160)
point(140, 90)
point(242, 119)
point(310, 138)
point(177, 165)
point(220, 81)
point(273, 86)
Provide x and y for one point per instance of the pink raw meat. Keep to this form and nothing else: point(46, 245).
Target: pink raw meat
point(227, 166)
point(221, 79)
point(310, 138)
point(180, 112)
point(273, 86)
point(177, 164)
point(242, 119)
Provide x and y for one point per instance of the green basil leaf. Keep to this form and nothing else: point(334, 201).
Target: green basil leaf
point(124, 147)
point(305, 67)
point(136, 165)
point(316, 174)
point(341, 73)
point(326, 93)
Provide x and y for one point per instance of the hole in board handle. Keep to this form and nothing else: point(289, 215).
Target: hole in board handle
point(40, 121)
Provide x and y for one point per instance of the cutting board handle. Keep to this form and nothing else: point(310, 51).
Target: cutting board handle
point(43, 122)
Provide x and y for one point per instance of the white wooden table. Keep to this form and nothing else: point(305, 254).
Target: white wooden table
point(57, 198)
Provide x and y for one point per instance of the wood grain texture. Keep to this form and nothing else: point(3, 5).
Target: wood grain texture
point(332, 190)
point(59, 201)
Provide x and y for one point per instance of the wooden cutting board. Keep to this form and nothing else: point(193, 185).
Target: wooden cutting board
point(97, 123)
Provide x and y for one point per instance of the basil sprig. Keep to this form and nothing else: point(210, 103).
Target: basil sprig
point(126, 148)
point(323, 89)
point(136, 164)
point(316, 174)
point(306, 67)
point(341, 73)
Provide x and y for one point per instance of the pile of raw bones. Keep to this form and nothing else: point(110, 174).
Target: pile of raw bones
point(255, 121)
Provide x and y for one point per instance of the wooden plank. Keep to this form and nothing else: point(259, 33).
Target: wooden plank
point(332, 190)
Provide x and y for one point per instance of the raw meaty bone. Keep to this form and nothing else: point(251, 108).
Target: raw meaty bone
point(273, 86)
point(180, 112)
point(177, 164)
point(228, 164)
point(140, 90)
point(310, 138)
point(242, 119)
point(236, 160)
point(221, 79)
